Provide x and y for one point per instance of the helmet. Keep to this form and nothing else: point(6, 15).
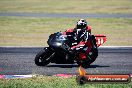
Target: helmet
point(81, 24)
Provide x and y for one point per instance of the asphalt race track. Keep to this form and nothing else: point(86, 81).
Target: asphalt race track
point(20, 61)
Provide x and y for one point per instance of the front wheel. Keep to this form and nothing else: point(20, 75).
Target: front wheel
point(43, 57)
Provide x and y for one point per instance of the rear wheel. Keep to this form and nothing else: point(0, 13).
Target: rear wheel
point(43, 57)
point(94, 50)
point(91, 57)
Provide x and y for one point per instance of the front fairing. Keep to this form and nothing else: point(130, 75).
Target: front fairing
point(57, 40)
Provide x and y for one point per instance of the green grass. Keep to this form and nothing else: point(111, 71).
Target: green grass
point(28, 31)
point(67, 6)
point(54, 82)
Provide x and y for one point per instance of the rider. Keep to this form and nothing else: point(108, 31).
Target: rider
point(80, 34)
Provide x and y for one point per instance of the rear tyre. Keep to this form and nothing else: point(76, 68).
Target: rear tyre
point(94, 55)
point(91, 57)
point(94, 50)
point(43, 57)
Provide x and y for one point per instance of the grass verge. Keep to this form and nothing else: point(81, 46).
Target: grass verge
point(29, 31)
point(54, 82)
point(67, 6)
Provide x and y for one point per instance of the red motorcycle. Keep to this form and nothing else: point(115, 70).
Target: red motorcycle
point(61, 51)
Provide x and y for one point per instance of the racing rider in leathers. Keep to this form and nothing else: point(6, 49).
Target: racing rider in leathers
point(79, 37)
point(80, 34)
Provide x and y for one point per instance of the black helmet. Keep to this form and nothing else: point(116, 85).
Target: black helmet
point(81, 24)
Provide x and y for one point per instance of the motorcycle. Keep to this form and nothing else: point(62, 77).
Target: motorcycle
point(59, 50)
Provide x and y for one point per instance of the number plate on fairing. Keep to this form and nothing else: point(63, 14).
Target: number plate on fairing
point(100, 39)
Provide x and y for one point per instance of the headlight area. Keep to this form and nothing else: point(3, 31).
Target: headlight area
point(59, 44)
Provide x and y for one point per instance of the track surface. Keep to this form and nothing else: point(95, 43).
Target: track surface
point(20, 61)
point(67, 15)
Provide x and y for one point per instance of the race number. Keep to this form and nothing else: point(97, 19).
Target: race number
point(100, 41)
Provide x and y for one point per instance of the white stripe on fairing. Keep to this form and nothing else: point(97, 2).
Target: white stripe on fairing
point(81, 45)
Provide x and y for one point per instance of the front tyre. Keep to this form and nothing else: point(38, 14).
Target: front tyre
point(43, 58)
